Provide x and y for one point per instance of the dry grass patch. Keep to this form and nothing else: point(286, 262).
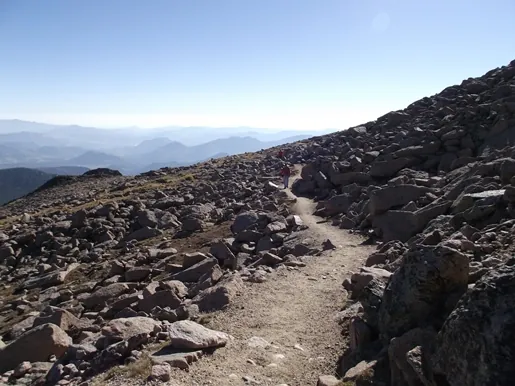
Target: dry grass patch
point(139, 370)
point(187, 177)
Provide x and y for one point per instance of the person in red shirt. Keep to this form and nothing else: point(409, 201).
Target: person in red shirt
point(280, 154)
point(286, 173)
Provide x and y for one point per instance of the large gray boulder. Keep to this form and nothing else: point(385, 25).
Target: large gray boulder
point(393, 196)
point(338, 204)
point(402, 225)
point(36, 345)
point(125, 328)
point(423, 291)
point(244, 221)
point(476, 345)
point(389, 168)
point(360, 280)
point(220, 295)
point(104, 294)
point(196, 271)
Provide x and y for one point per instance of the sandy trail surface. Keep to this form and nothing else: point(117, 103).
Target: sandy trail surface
point(285, 329)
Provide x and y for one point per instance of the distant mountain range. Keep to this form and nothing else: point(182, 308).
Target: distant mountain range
point(129, 150)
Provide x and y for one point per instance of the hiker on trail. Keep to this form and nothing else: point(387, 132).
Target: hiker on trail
point(286, 173)
point(280, 154)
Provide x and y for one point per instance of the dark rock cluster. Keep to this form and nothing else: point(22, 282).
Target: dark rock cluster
point(434, 185)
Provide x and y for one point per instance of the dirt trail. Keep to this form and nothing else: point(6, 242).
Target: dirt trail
point(294, 311)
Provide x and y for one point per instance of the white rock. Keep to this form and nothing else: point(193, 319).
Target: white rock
point(257, 342)
point(191, 335)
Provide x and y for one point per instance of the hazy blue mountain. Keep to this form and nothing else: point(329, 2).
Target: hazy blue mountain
point(94, 138)
point(17, 182)
point(30, 137)
point(60, 152)
point(130, 150)
point(233, 145)
point(192, 136)
point(150, 145)
point(15, 126)
point(144, 147)
point(65, 170)
point(95, 159)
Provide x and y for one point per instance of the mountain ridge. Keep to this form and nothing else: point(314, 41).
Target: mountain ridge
point(412, 214)
point(129, 160)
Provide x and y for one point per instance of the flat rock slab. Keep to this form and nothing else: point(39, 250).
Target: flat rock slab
point(175, 357)
point(486, 194)
point(186, 334)
point(49, 279)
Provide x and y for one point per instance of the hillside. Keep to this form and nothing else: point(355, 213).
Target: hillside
point(17, 182)
point(213, 274)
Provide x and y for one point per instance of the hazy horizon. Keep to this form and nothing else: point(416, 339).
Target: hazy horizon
point(172, 126)
point(286, 65)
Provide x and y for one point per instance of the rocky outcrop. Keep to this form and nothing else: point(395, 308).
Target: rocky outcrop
point(433, 185)
point(475, 345)
point(423, 291)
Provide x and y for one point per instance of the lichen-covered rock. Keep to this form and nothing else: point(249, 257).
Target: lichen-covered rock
point(476, 345)
point(401, 370)
point(423, 291)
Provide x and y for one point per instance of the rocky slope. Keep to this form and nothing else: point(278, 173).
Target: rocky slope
point(435, 183)
point(96, 269)
point(87, 257)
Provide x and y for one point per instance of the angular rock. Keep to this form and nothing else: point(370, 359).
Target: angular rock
point(196, 271)
point(338, 204)
point(388, 168)
point(125, 328)
point(103, 294)
point(219, 296)
point(61, 318)
point(186, 334)
point(161, 372)
point(394, 196)
point(475, 345)
point(137, 274)
point(49, 279)
point(244, 221)
point(190, 259)
point(36, 345)
point(328, 380)
point(423, 290)
point(221, 251)
point(165, 298)
point(401, 370)
point(143, 234)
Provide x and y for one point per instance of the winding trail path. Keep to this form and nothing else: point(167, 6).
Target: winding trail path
point(294, 311)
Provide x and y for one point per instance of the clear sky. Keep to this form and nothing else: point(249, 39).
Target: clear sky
point(302, 64)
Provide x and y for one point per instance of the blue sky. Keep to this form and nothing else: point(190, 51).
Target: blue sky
point(301, 64)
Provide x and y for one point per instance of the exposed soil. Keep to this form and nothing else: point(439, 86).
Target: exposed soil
point(294, 311)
